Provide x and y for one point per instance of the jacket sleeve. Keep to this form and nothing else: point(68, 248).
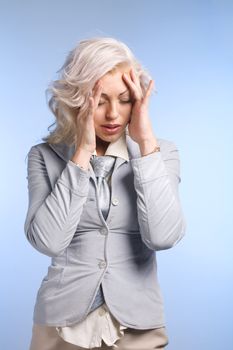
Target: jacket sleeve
point(53, 214)
point(156, 180)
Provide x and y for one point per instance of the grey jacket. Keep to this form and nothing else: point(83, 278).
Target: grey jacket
point(64, 222)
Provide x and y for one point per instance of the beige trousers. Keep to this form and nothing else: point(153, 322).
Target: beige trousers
point(47, 338)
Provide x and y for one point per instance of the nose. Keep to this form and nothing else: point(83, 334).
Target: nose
point(112, 112)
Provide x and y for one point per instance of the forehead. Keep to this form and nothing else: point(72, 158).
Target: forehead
point(113, 82)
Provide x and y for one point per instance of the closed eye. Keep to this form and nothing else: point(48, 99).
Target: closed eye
point(121, 101)
point(125, 101)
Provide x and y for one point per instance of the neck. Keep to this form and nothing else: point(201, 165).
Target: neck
point(101, 146)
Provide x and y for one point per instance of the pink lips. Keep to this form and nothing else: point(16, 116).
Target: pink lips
point(111, 125)
point(111, 128)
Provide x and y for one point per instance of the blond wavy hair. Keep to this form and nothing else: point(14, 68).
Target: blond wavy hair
point(84, 65)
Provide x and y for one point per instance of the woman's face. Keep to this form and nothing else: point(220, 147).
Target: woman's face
point(114, 108)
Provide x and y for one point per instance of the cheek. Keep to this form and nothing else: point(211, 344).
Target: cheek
point(125, 111)
point(98, 116)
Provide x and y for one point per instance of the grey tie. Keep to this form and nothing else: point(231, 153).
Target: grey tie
point(102, 166)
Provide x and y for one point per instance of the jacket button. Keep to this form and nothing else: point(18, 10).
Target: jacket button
point(115, 201)
point(102, 264)
point(104, 231)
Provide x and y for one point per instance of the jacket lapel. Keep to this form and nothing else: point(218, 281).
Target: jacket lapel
point(66, 152)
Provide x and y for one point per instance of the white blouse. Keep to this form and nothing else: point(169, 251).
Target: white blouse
point(97, 326)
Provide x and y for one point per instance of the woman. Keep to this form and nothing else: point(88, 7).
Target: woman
point(103, 198)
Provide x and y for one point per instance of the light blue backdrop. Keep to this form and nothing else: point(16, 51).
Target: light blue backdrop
point(187, 47)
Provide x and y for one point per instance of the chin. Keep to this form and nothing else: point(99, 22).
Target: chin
point(113, 138)
point(109, 138)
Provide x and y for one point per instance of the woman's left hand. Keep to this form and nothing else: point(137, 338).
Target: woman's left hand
point(139, 127)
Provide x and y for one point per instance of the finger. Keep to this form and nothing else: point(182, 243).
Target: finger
point(86, 113)
point(136, 94)
point(97, 95)
point(148, 91)
point(147, 94)
point(135, 78)
point(91, 107)
point(91, 100)
point(95, 86)
point(95, 89)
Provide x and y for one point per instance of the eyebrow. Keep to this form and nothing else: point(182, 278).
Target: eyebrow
point(122, 93)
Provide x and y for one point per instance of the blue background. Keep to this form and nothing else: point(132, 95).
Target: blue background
point(187, 47)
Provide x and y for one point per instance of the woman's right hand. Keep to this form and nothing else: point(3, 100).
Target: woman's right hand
point(86, 137)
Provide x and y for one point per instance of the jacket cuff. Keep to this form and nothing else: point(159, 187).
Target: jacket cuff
point(144, 172)
point(76, 179)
